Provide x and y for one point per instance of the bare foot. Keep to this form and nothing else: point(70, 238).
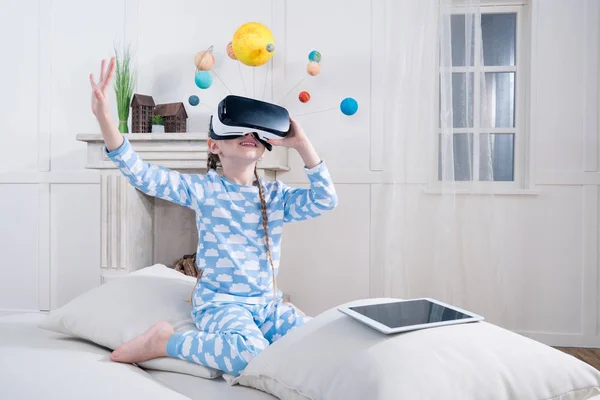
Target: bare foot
point(151, 344)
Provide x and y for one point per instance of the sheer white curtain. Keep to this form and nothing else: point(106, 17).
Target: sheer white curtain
point(433, 239)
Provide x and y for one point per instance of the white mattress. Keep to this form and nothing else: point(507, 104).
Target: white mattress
point(203, 389)
point(35, 363)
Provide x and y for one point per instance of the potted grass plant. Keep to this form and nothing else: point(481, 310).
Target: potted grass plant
point(124, 83)
point(158, 124)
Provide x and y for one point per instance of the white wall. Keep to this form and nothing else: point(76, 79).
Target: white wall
point(51, 249)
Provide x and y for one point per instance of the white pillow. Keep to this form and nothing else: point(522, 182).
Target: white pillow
point(335, 357)
point(123, 308)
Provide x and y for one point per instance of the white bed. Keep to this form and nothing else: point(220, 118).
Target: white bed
point(331, 357)
point(38, 364)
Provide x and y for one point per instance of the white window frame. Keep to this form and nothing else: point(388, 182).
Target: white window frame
point(521, 157)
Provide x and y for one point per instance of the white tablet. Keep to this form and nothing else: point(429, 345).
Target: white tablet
point(409, 315)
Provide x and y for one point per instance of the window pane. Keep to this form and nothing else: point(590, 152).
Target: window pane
point(498, 33)
point(462, 100)
point(460, 156)
point(463, 37)
point(496, 157)
point(498, 106)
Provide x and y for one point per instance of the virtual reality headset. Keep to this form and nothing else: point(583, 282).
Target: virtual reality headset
point(237, 116)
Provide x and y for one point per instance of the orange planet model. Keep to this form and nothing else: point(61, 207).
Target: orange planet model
point(304, 97)
point(230, 52)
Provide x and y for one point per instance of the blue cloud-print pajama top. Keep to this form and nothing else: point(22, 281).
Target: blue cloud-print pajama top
point(234, 306)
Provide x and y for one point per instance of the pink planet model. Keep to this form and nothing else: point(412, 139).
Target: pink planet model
point(313, 68)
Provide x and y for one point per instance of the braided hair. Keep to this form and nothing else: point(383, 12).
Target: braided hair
point(263, 206)
point(212, 161)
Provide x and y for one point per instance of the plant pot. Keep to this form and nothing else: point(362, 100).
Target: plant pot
point(158, 129)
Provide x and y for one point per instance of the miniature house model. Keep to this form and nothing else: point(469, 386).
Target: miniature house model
point(142, 109)
point(174, 115)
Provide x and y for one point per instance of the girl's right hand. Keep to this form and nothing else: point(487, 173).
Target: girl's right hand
point(100, 105)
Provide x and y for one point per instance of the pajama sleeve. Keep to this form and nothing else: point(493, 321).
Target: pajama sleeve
point(301, 204)
point(157, 181)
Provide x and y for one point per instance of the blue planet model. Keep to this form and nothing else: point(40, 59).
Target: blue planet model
point(203, 79)
point(314, 56)
point(349, 106)
point(194, 100)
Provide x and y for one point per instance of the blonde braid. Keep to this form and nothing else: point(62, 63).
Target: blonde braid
point(263, 205)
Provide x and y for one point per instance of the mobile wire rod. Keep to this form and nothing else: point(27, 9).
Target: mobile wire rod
point(215, 72)
point(242, 77)
point(286, 95)
point(266, 79)
point(315, 112)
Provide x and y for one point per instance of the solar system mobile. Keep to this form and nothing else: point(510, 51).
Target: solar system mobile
point(253, 45)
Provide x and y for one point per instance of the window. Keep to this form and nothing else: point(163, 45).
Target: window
point(488, 139)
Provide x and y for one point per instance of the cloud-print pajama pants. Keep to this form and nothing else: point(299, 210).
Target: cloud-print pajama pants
point(231, 334)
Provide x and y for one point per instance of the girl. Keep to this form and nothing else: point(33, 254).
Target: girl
point(236, 305)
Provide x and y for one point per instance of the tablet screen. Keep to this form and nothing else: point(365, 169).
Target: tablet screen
point(406, 313)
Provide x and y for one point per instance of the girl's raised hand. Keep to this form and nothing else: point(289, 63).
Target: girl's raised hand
point(100, 106)
point(296, 139)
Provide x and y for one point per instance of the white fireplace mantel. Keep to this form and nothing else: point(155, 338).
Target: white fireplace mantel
point(138, 230)
point(173, 150)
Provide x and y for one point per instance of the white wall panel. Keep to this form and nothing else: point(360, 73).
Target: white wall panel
point(558, 107)
point(75, 241)
point(82, 34)
point(591, 76)
point(19, 98)
point(325, 261)
point(589, 303)
point(44, 250)
point(516, 260)
point(341, 31)
point(541, 261)
point(19, 247)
